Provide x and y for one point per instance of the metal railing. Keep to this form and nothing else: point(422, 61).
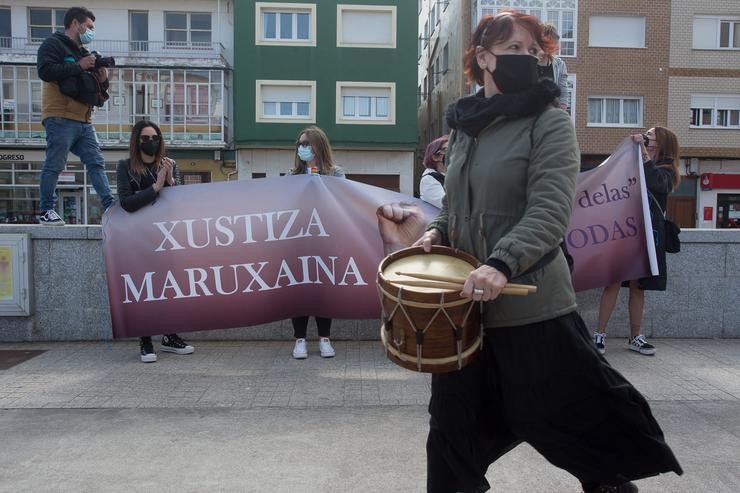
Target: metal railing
point(127, 48)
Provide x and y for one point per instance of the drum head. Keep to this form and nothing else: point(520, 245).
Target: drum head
point(441, 264)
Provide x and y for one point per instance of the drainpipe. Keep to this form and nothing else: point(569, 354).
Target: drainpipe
point(230, 174)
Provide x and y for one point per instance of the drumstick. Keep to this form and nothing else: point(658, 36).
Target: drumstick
point(460, 280)
point(455, 286)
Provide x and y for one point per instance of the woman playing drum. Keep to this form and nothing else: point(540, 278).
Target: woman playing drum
point(513, 162)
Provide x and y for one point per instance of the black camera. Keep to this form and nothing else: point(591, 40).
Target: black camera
point(103, 61)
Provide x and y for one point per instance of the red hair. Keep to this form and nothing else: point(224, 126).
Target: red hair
point(432, 148)
point(496, 29)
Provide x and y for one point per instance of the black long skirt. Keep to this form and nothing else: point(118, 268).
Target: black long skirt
point(544, 384)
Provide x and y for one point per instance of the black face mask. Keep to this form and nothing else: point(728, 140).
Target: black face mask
point(149, 147)
point(515, 73)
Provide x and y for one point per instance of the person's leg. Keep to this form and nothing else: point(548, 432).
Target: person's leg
point(60, 136)
point(324, 327)
point(637, 341)
point(300, 327)
point(606, 307)
point(88, 149)
point(172, 343)
point(146, 350)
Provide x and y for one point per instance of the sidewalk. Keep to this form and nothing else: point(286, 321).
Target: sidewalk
point(245, 416)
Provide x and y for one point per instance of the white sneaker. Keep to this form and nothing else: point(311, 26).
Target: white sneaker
point(300, 351)
point(325, 347)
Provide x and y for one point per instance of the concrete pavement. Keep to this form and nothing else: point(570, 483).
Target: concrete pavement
point(245, 416)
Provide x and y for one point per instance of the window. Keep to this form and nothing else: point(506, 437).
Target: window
point(139, 30)
point(286, 101)
point(614, 112)
point(187, 29)
point(366, 26)
point(285, 23)
point(562, 13)
point(6, 33)
point(616, 32)
point(446, 58)
point(44, 22)
point(716, 33)
point(720, 111)
point(366, 103)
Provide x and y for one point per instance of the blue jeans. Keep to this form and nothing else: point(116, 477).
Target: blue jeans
point(62, 136)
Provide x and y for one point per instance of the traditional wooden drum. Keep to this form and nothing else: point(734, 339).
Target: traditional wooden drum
point(426, 327)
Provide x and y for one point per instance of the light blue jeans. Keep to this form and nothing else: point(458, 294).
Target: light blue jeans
point(62, 136)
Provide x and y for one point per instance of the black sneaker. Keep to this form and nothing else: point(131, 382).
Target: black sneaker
point(147, 350)
point(600, 342)
point(51, 218)
point(171, 343)
point(628, 487)
point(640, 344)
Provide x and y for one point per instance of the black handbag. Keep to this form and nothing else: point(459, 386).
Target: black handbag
point(671, 230)
point(672, 241)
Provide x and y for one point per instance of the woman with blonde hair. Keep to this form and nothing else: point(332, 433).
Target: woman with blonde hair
point(660, 155)
point(314, 157)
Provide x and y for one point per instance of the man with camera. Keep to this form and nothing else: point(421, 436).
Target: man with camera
point(74, 80)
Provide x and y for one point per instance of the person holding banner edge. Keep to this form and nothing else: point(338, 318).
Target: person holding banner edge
point(313, 156)
point(140, 179)
point(660, 155)
point(513, 162)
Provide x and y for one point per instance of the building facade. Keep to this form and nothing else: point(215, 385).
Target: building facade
point(632, 67)
point(347, 67)
point(172, 66)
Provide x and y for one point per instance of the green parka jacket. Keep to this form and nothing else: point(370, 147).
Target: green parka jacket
point(509, 194)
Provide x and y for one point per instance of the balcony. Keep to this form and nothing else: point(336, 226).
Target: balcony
point(167, 53)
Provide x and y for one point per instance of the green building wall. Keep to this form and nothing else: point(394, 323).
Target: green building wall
point(326, 63)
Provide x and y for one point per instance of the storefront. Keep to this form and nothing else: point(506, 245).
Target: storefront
point(719, 200)
point(77, 202)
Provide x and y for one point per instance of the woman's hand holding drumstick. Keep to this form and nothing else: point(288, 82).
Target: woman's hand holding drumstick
point(457, 283)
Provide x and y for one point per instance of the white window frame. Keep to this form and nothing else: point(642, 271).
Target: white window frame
point(341, 8)
point(54, 26)
point(344, 120)
point(717, 106)
point(573, 80)
point(621, 111)
point(285, 8)
point(189, 44)
point(716, 42)
point(260, 117)
point(614, 21)
point(543, 10)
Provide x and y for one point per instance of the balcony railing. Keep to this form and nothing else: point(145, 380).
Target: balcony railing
point(126, 48)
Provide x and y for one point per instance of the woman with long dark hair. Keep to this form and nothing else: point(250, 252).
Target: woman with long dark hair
point(141, 178)
point(512, 168)
point(660, 156)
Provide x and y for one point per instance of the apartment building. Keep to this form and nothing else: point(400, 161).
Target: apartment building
point(631, 66)
point(348, 67)
point(704, 104)
point(173, 66)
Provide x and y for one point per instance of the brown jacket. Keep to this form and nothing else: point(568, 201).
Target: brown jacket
point(57, 61)
point(54, 103)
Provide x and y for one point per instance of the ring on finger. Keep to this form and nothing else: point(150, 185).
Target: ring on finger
point(478, 291)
